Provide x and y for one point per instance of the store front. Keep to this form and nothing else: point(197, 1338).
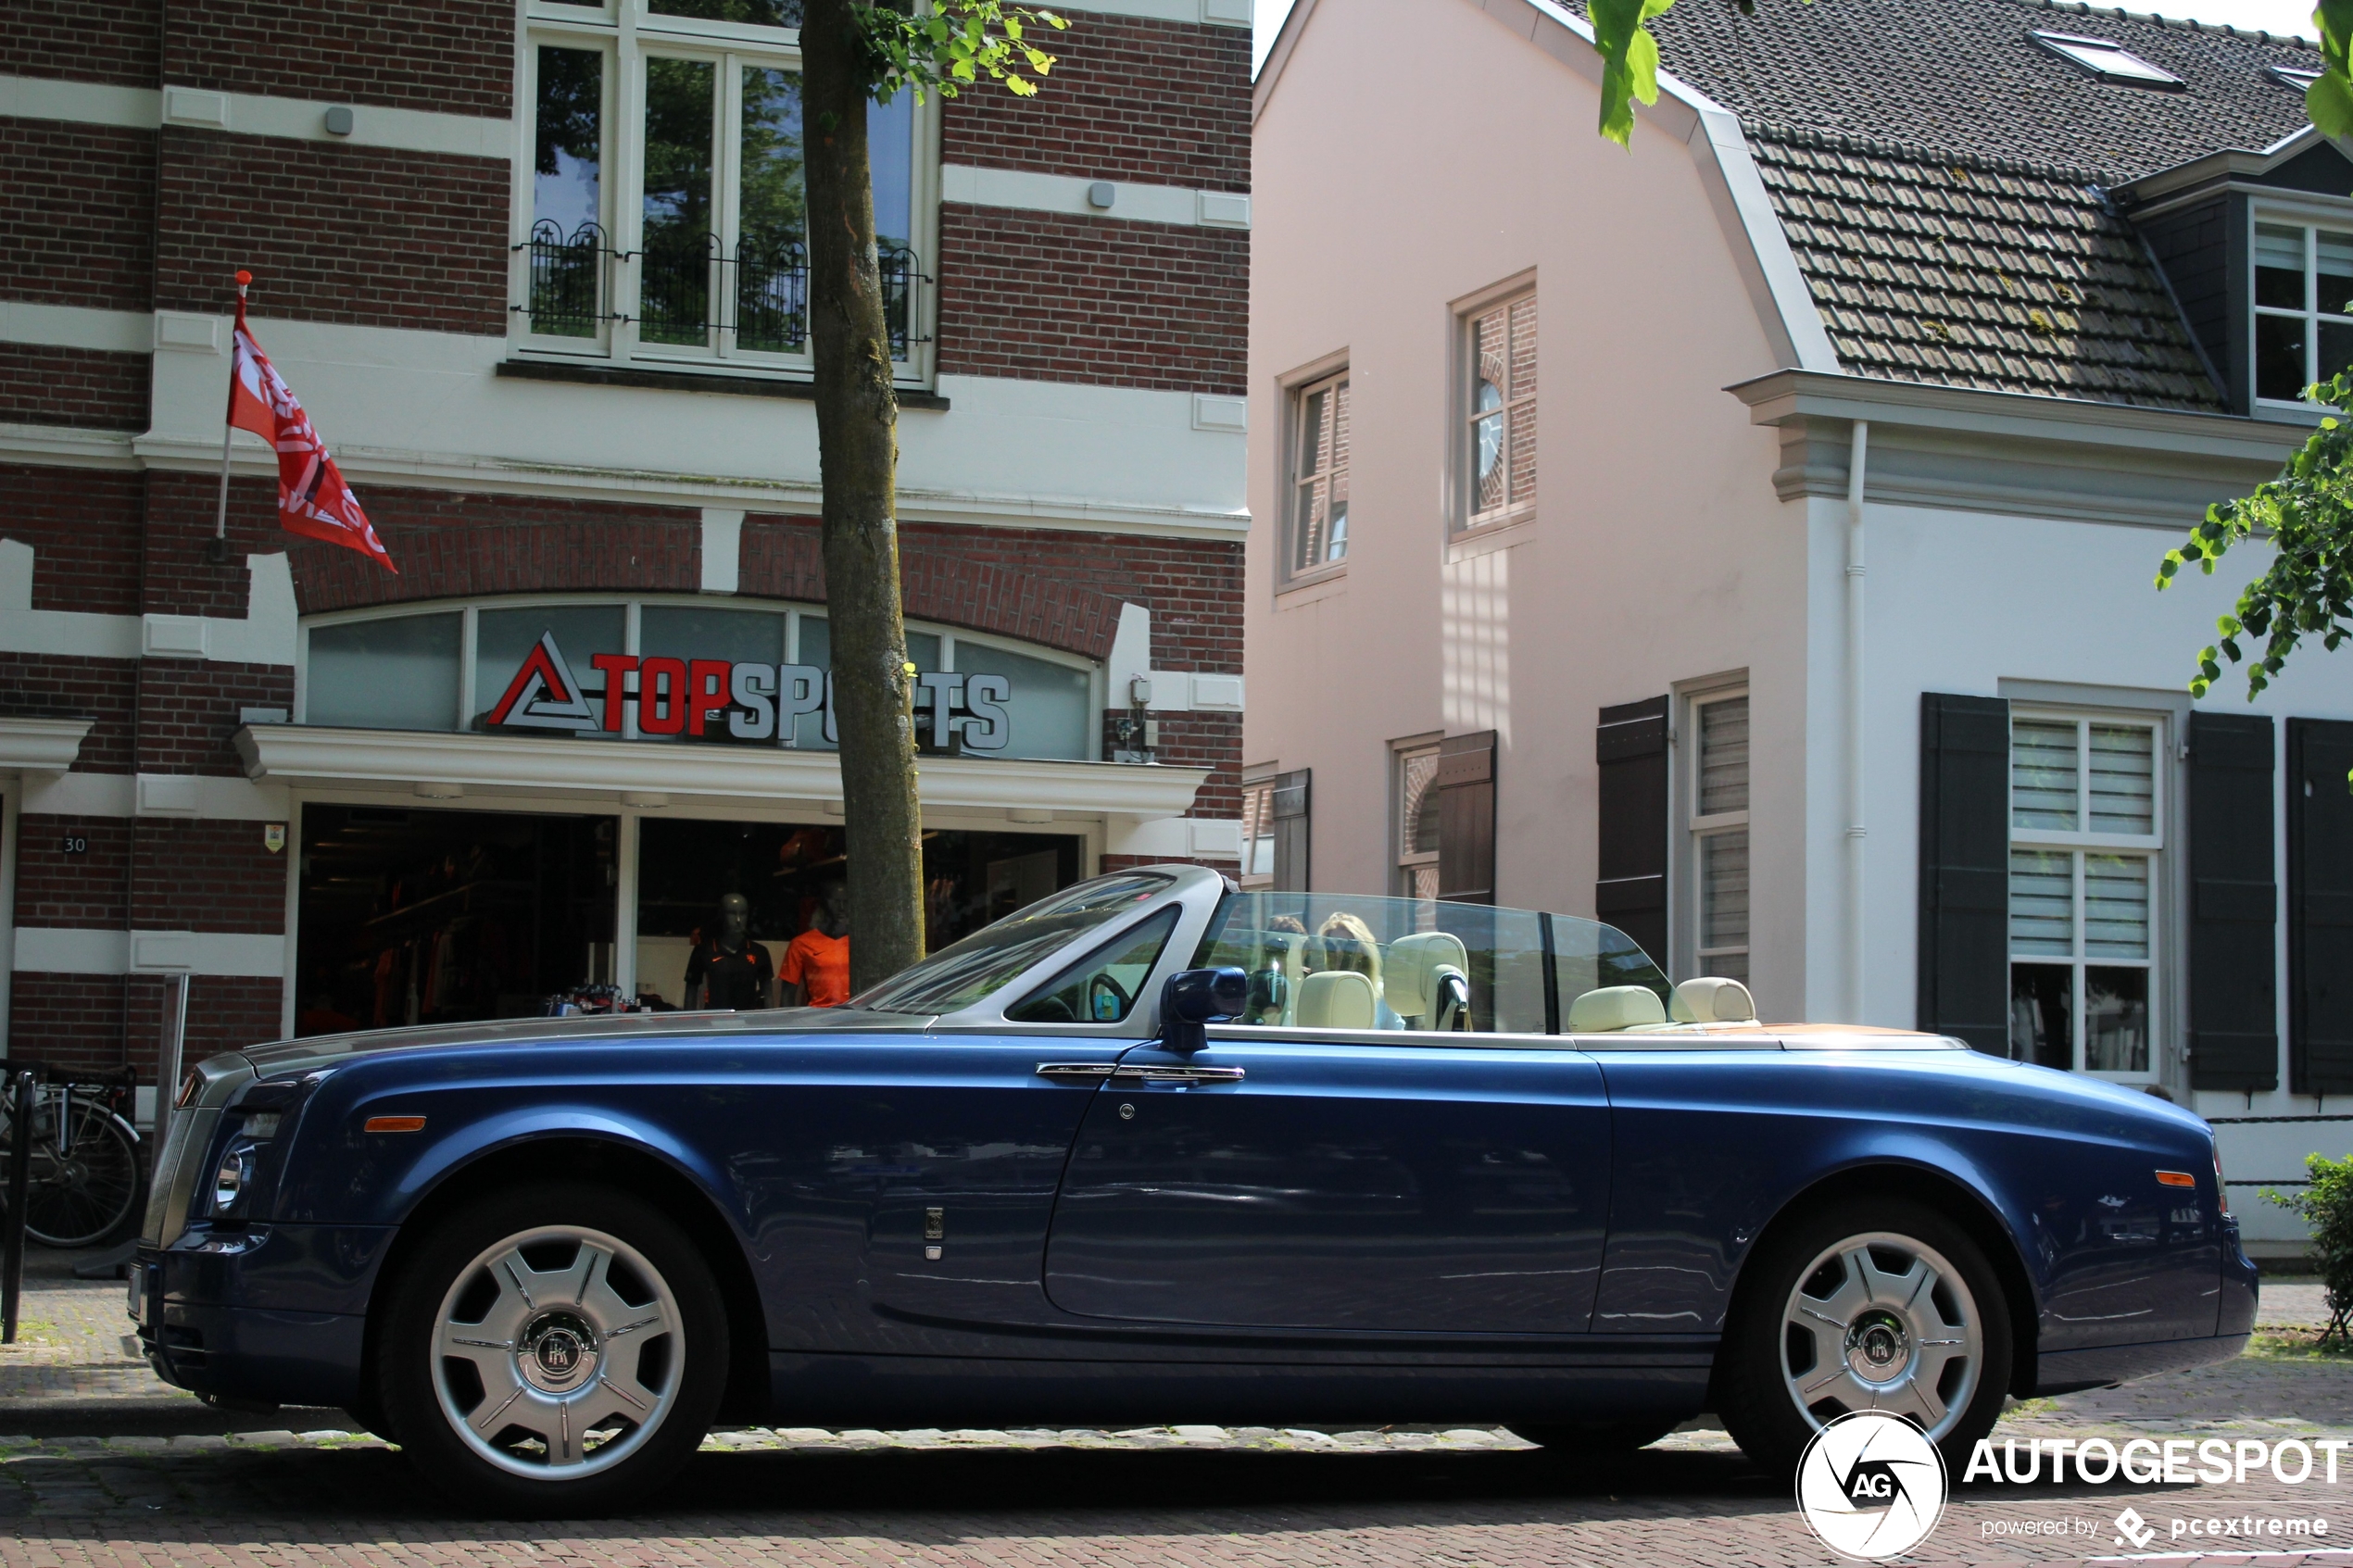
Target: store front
point(502, 802)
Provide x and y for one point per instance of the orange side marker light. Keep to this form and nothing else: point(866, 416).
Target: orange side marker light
point(394, 1124)
point(2164, 1178)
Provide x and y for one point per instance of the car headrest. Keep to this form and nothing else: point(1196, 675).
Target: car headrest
point(1335, 999)
point(1614, 1008)
point(1712, 999)
point(1411, 970)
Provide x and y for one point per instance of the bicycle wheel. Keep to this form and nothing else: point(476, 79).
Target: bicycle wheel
point(85, 1188)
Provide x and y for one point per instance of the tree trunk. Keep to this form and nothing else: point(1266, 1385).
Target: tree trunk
point(858, 454)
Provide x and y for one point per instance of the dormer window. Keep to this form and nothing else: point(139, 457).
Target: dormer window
point(2303, 281)
point(2110, 62)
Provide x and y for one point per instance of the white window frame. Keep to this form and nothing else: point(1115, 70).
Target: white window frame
point(633, 606)
point(2149, 847)
point(2337, 222)
point(627, 32)
point(1463, 522)
point(1333, 380)
point(1700, 827)
point(1407, 870)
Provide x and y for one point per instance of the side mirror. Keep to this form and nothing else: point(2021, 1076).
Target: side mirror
point(1192, 998)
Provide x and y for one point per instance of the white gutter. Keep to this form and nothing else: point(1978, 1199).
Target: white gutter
point(1859, 458)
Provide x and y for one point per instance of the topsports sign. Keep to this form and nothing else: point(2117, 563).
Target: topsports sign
point(708, 698)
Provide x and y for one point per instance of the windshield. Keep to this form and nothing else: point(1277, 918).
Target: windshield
point(964, 973)
point(1345, 961)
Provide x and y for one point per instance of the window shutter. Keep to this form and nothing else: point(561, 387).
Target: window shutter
point(2319, 908)
point(1466, 818)
point(2235, 1040)
point(1630, 748)
point(1965, 876)
point(1288, 809)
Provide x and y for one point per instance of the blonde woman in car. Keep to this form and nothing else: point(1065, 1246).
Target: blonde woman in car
point(1343, 941)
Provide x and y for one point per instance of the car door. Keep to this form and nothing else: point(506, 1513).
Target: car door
point(1339, 1180)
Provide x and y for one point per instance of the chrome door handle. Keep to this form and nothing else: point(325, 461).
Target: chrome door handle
point(1154, 1073)
point(1076, 1072)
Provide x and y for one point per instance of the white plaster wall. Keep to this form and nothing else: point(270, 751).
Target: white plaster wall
point(1659, 553)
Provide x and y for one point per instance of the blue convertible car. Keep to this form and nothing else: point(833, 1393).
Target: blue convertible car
point(1156, 1151)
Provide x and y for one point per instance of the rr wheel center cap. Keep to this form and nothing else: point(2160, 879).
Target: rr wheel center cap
point(1879, 1347)
point(558, 1352)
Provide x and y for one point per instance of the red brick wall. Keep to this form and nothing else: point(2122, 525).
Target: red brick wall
point(80, 201)
point(206, 876)
point(365, 236)
point(450, 546)
point(1041, 296)
point(48, 685)
point(99, 1021)
point(118, 40)
point(84, 525)
point(188, 709)
point(179, 512)
point(455, 56)
point(88, 389)
point(84, 891)
point(1163, 103)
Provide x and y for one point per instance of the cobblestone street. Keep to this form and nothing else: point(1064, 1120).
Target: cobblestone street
point(101, 1464)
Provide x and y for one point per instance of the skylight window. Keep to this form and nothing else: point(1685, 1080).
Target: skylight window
point(2292, 76)
point(2110, 62)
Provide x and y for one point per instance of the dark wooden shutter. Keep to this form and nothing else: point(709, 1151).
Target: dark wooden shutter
point(1466, 818)
point(1964, 869)
point(2234, 1038)
point(1630, 749)
point(2320, 907)
point(1288, 811)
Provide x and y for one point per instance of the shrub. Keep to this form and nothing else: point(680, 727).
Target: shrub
point(2327, 1206)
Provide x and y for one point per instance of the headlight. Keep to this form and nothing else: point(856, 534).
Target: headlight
point(232, 1180)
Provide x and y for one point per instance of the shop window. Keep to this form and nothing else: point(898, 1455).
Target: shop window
point(760, 676)
point(434, 916)
point(2086, 837)
point(703, 253)
point(1719, 834)
point(390, 674)
point(784, 869)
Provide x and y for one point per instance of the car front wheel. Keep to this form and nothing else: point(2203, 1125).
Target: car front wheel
point(557, 1350)
point(1883, 1305)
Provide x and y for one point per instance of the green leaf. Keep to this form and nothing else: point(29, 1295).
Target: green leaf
point(2329, 102)
point(1630, 61)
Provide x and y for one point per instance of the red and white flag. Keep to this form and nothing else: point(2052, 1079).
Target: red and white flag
point(313, 499)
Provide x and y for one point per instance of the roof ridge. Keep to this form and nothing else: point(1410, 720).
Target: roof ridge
point(1880, 146)
point(2224, 30)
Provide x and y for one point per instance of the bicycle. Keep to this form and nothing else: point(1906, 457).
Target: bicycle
point(88, 1167)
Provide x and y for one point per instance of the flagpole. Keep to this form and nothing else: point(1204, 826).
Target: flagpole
point(217, 552)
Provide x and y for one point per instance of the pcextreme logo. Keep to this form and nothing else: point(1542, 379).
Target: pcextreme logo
point(1871, 1486)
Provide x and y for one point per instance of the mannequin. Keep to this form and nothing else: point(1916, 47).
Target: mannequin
point(729, 970)
point(816, 971)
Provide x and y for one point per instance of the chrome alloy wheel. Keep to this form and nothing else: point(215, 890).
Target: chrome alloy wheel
point(557, 1353)
point(1879, 1323)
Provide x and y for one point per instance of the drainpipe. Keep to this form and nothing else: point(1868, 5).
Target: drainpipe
point(1858, 461)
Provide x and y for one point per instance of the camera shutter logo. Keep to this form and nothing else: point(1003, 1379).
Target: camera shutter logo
point(1871, 1486)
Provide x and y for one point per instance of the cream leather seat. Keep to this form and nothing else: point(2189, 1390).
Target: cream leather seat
point(1413, 972)
point(1614, 1008)
point(1712, 999)
point(1335, 998)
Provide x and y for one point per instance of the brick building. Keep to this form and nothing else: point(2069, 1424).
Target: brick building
point(535, 267)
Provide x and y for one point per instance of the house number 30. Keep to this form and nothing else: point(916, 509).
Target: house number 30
point(74, 844)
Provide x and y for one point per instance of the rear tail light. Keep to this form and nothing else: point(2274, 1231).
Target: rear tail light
point(188, 1087)
point(2222, 1189)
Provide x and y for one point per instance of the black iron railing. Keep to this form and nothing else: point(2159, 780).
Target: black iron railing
point(682, 276)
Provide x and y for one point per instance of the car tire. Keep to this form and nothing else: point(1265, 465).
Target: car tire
point(1832, 1315)
point(554, 1351)
point(1596, 1441)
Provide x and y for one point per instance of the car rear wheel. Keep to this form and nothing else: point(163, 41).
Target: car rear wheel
point(557, 1350)
point(1883, 1305)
